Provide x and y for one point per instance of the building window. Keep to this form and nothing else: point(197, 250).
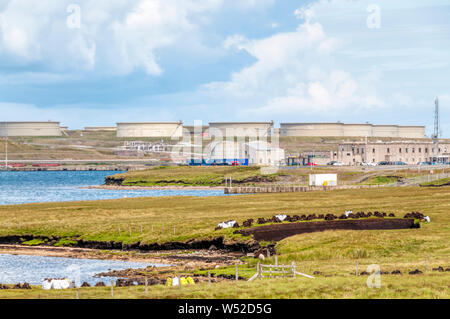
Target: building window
point(406, 150)
point(362, 150)
point(420, 150)
point(413, 150)
point(388, 150)
point(426, 150)
point(400, 150)
point(373, 150)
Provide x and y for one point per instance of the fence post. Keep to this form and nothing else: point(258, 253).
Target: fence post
point(78, 293)
point(146, 286)
point(237, 274)
point(112, 289)
point(141, 229)
point(258, 269)
point(356, 270)
point(293, 269)
point(209, 277)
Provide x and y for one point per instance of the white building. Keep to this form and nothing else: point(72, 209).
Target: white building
point(256, 152)
point(261, 153)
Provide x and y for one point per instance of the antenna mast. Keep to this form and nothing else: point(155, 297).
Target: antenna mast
point(436, 132)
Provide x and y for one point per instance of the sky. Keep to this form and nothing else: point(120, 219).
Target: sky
point(98, 62)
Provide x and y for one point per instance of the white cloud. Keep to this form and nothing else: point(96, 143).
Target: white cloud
point(114, 36)
point(294, 72)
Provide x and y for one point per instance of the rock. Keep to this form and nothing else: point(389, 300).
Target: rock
point(415, 272)
point(85, 284)
point(396, 272)
point(26, 285)
point(212, 247)
point(438, 269)
point(261, 257)
point(100, 284)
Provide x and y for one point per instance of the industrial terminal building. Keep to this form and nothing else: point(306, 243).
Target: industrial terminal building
point(150, 129)
point(30, 129)
point(341, 129)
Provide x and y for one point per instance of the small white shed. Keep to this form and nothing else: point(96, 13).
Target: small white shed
point(323, 180)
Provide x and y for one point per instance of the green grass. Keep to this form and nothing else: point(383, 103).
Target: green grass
point(333, 253)
point(381, 180)
point(439, 182)
point(432, 286)
point(191, 176)
point(34, 242)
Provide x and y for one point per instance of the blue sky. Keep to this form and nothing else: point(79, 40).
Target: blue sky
point(98, 62)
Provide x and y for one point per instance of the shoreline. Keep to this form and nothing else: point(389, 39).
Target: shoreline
point(196, 259)
point(114, 187)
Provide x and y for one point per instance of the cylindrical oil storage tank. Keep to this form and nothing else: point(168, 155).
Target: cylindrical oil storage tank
point(385, 131)
point(30, 129)
point(311, 129)
point(411, 131)
point(241, 129)
point(357, 129)
point(150, 129)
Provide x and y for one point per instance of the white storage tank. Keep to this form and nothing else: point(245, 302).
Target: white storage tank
point(150, 129)
point(30, 129)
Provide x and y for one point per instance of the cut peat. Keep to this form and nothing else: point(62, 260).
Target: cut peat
point(280, 231)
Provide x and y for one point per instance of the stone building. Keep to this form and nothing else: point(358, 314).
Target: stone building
point(407, 152)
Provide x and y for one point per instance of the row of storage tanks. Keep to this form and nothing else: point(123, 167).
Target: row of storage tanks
point(177, 129)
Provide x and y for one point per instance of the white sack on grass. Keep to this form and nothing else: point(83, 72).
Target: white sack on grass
point(228, 224)
point(281, 217)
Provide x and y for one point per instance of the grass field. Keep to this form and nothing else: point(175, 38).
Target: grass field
point(334, 253)
point(432, 286)
point(439, 182)
point(190, 176)
point(251, 175)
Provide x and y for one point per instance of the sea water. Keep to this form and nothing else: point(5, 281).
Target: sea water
point(61, 186)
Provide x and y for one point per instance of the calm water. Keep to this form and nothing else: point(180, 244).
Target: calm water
point(62, 186)
point(34, 269)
